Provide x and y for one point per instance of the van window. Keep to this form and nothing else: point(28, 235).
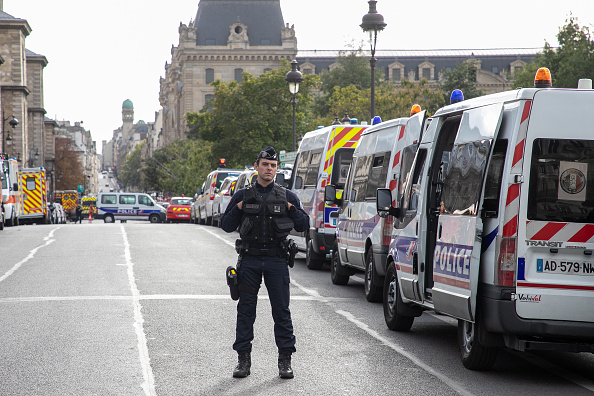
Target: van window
point(341, 165)
point(127, 199)
point(301, 171)
point(360, 178)
point(109, 199)
point(311, 180)
point(221, 178)
point(145, 200)
point(463, 178)
point(378, 174)
point(408, 156)
point(562, 181)
point(415, 183)
point(493, 181)
point(30, 183)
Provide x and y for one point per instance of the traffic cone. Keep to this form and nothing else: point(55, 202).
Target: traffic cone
point(90, 217)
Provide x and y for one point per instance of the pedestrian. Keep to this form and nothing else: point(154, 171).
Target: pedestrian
point(265, 213)
point(91, 212)
point(78, 214)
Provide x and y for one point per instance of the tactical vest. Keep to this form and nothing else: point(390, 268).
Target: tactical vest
point(265, 218)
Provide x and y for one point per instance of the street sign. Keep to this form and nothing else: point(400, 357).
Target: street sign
point(287, 158)
point(81, 188)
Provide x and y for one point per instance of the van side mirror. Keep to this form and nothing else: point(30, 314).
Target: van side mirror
point(280, 179)
point(330, 195)
point(384, 204)
point(199, 191)
point(15, 187)
point(298, 182)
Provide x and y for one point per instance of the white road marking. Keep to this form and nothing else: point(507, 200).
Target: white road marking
point(32, 252)
point(261, 296)
point(147, 372)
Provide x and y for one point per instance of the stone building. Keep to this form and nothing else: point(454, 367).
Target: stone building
point(227, 38)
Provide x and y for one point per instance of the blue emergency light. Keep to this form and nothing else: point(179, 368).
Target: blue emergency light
point(457, 96)
point(376, 120)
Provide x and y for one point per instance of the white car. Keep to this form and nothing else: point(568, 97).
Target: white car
point(58, 214)
point(222, 198)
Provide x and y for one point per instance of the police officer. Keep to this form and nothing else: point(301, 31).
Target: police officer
point(265, 214)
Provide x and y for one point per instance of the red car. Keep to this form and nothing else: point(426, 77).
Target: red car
point(179, 209)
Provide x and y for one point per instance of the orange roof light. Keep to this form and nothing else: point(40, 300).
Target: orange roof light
point(543, 79)
point(415, 109)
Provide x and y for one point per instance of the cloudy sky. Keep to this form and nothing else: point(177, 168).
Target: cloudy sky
point(103, 52)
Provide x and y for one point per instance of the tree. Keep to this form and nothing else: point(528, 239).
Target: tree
point(69, 169)
point(250, 115)
point(462, 77)
point(574, 59)
point(178, 168)
point(130, 175)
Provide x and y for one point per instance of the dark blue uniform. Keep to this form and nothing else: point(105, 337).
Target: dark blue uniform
point(275, 271)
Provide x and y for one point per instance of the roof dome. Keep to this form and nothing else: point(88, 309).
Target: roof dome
point(141, 122)
point(127, 104)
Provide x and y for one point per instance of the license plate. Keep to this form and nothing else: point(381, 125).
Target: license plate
point(564, 267)
point(182, 215)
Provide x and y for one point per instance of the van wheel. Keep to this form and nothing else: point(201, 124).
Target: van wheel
point(392, 298)
point(373, 283)
point(339, 274)
point(154, 218)
point(313, 260)
point(108, 219)
point(473, 354)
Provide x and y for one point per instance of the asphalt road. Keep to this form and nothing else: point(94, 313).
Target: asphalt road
point(143, 309)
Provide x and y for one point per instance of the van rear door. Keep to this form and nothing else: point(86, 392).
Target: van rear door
point(555, 275)
point(456, 257)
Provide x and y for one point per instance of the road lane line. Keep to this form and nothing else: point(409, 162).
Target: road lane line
point(232, 244)
point(32, 252)
point(147, 372)
point(261, 296)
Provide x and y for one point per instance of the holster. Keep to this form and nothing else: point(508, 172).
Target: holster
point(233, 283)
point(291, 248)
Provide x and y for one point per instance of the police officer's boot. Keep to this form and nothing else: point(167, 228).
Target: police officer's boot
point(244, 362)
point(284, 366)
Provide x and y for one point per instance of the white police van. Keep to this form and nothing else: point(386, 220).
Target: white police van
point(496, 225)
point(382, 159)
point(129, 206)
point(324, 157)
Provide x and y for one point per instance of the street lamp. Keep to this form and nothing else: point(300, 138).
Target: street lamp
point(13, 123)
point(294, 78)
point(373, 23)
point(33, 157)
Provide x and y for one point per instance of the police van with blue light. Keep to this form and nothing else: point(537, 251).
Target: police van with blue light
point(129, 206)
point(382, 159)
point(496, 224)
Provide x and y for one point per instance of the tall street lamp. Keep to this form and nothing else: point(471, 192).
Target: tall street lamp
point(373, 23)
point(13, 123)
point(294, 78)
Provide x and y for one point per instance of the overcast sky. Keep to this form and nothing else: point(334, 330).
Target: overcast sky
point(101, 53)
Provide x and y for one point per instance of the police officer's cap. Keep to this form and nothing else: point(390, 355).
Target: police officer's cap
point(269, 154)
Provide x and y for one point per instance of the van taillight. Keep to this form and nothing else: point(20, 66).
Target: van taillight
point(507, 262)
point(388, 222)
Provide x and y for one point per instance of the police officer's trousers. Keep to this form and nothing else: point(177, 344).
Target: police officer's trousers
point(276, 278)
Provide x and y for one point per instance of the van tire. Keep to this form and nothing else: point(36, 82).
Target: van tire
point(154, 218)
point(338, 273)
point(473, 354)
point(108, 219)
point(373, 283)
point(313, 260)
point(392, 300)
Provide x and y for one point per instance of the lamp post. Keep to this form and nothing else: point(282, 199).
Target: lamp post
point(13, 123)
point(33, 156)
point(373, 23)
point(294, 78)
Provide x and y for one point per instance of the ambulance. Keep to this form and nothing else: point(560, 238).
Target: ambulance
point(496, 224)
point(11, 194)
point(382, 159)
point(324, 157)
point(34, 196)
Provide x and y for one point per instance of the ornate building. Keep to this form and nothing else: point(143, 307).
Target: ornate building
point(227, 38)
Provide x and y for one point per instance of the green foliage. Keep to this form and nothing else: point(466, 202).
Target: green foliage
point(462, 77)
point(178, 168)
point(248, 116)
point(574, 59)
point(130, 176)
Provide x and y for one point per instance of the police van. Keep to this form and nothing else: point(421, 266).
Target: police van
point(129, 206)
point(205, 195)
point(382, 159)
point(496, 224)
point(324, 157)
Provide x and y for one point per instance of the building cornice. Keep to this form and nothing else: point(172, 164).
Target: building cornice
point(21, 24)
point(21, 88)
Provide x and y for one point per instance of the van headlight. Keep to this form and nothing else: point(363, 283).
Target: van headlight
point(163, 210)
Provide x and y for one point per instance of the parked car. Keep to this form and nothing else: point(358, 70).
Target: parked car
point(58, 214)
point(206, 194)
point(222, 198)
point(179, 209)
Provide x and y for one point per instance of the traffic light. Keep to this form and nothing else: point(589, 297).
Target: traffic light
point(222, 163)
